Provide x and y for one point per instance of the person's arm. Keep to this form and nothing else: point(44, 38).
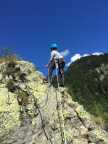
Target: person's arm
point(51, 58)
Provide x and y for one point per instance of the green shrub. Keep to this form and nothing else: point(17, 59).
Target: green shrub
point(83, 80)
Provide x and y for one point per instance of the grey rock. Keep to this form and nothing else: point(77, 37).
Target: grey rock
point(40, 115)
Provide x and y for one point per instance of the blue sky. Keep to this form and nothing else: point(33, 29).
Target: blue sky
point(29, 26)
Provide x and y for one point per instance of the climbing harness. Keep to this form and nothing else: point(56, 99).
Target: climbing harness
point(59, 72)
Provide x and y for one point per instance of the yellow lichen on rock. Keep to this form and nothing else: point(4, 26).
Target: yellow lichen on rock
point(36, 85)
point(100, 134)
point(37, 89)
point(36, 113)
point(82, 113)
point(9, 106)
point(9, 110)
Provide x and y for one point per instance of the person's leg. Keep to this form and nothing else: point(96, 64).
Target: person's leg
point(61, 71)
point(61, 67)
point(50, 72)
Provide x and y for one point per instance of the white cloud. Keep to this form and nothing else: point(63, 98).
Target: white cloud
point(75, 57)
point(78, 56)
point(65, 53)
point(85, 55)
point(97, 53)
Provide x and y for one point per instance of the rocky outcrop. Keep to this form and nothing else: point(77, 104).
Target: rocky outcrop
point(31, 112)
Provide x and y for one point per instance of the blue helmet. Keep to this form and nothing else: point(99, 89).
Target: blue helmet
point(54, 45)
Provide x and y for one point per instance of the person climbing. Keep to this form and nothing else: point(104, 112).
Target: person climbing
point(56, 62)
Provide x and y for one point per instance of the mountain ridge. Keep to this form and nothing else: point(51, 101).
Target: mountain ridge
point(87, 82)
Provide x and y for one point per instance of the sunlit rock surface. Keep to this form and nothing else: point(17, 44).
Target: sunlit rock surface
point(31, 112)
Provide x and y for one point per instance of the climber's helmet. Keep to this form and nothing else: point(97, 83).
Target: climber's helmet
point(53, 46)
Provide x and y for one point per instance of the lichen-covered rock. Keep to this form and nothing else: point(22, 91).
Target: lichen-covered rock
point(98, 136)
point(15, 100)
point(9, 110)
point(31, 112)
point(80, 141)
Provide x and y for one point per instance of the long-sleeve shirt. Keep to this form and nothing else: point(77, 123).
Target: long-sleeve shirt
point(55, 55)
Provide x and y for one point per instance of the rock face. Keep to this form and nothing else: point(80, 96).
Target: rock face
point(31, 112)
